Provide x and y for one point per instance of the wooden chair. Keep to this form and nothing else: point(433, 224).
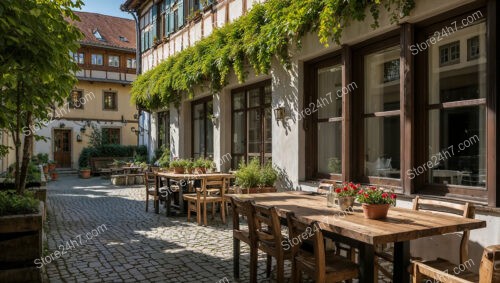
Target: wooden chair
point(320, 266)
point(211, 192)
point(488, 273)
point(270, 239)
point(150, 182)
point(460, 210)
point(244, 209)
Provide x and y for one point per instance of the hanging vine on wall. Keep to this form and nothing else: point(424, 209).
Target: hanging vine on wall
point(266, 31)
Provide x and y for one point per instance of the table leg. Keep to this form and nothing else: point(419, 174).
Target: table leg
point(401, 262)
point(236, 258)
point(181, 199)
point(366, 264)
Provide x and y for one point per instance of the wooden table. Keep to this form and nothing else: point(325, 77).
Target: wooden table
point(182, 177)
point(400, 226)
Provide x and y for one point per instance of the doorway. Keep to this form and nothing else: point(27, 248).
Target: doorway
point(62, 148)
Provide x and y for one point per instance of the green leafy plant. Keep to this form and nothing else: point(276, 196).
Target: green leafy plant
point(269, 30)
point(374, 195)
point(164, 160)
point(253, 175)
point(179, 163)
point(335, 165)
point(14, 204)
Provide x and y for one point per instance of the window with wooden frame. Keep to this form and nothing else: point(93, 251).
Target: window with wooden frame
point(381, 115)
point(455, 97)
point(97, 59)
point(111, 135)
point(131, 63)
point(251, 123)
point(202, 138)
point(114, 61)
point(110, 101)
point(164, 129)
point(75, 99)
point(324, 109)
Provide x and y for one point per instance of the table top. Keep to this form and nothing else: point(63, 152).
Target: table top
point(400, 225)
point(193, 175)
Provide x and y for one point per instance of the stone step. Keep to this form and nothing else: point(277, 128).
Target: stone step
point(66, 171)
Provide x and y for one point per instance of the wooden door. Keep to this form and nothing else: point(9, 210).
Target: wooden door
point(62, 148)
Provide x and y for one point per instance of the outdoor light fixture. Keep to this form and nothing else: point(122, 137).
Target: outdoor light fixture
point(62, 125)
point(83, 129)
point(279, 113)
point(136, 116)
point(78, 138)
point(135, 131)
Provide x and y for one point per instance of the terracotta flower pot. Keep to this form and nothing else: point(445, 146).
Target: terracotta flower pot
point(375, 211)
point(201, 170)
point(85, 173)
point(179, 170)
point(54, 176)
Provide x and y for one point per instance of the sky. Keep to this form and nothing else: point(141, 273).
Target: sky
point(106, 7)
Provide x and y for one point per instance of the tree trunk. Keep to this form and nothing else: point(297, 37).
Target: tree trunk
point(17, 139)
point(28, 140)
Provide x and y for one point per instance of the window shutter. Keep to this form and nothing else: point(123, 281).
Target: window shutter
point(142, 41)
point(154, 12)
point(181, 13)
point(170, 22)
point(168, 13)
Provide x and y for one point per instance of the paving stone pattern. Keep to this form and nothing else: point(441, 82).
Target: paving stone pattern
point(134, 245)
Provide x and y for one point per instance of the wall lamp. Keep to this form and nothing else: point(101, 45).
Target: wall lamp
point(214, 119)
point(78, 138)
point(279, 113)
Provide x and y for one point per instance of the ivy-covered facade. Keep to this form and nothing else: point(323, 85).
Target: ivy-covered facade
point(401, 94)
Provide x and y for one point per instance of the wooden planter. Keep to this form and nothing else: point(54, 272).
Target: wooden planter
point(21, 245)
point(85, 173)
point(259, 190)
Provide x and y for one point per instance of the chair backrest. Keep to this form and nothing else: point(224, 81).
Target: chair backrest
point(462, 210)
point(299, 232)
point(489, 270)
point(243, 208)
point(270, 234)
point(215, 182)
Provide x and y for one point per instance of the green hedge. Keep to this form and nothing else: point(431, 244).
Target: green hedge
point(110, 150)
point(13, 204)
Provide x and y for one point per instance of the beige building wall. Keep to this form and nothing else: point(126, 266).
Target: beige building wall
point(6, 139)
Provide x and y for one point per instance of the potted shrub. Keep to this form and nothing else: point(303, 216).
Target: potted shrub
point(178, 166)
point(209, 165)
point(84, 172)
point(21, 224)
point(255, 178)
point(375, 202)
point(347, 194)
point(54, 175)
point(52, 165)
point(189, 166)
point(199, 166)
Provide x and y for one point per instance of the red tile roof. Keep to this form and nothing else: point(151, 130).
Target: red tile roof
point(109, 27)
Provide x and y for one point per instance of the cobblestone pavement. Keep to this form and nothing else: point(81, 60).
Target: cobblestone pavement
point(105, 235)
point(134, 245)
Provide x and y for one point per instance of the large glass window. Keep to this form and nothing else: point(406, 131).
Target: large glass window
point(251, 123)
point(203, 129)
point(97, 59)
point(164, 129)
point(457, 108)
point(329, 126)
point(382, 115)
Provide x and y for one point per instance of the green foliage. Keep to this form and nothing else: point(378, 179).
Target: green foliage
point(110, 150)
point(36, 69)
point(335, 165)
point(43, 158)
point(178, 163)
point(14, 204)
point(253, 175)
point(164, 159)
point(84, 159)
point(141, 150)
point(374, 195)
point(267, 31)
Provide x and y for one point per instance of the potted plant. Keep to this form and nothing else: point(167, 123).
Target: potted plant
point(209, 165)
point(178, 165)
point(189, 166)
point(21, 226)
point(375, 202)
point(199, 166)
point(84, 172)
point(52, 165)
point(347, 194)
point(54, 175)
point(255, 178)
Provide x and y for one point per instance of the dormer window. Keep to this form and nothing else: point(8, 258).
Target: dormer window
point(98, 35)
point(123, 39)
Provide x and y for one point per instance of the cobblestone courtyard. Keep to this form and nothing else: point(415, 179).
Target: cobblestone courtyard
point(134, 245)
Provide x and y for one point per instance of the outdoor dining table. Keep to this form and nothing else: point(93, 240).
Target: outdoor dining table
point(400, 226)
point(180, 178)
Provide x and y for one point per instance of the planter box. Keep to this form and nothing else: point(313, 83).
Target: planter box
point(21, 244)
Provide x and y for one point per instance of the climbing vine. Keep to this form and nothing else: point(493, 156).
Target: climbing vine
point(269, 30)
